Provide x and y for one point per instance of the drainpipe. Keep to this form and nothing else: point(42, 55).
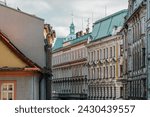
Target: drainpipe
point(40, 80)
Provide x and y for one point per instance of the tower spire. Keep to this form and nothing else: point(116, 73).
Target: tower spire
point(72, 16)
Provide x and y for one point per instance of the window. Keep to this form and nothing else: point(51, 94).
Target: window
point(97, 54)
point(110, 52)
point(104, 72)
point(110, 71)
point(114, 71)
point(143, 55)
point(89, 56)
point(100, 72)
point(92, 56)
point(143, 25)
point(121, 50)
point(97, 73)
point(7, 91)
point(107, 72)
point(121, 70)
point(104, 54)
point(100, 54)
point(107, 53)
point(110, 92)
point(114, 50)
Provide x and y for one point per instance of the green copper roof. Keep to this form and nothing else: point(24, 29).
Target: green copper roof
point(79, 39)
point(105, 26)
point(58, 43)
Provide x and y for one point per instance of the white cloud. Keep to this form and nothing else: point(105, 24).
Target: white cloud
point(58, 12)
point(62, 31)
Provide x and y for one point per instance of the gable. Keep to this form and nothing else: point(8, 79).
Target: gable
point(9, 58)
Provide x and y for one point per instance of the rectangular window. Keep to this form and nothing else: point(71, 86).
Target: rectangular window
point(107, 72)
point(104, 72)
point(114, 71)
point(114, 50)
point(97, 73)
point(121, 70)
point(104, 54)
point(97, 54)
point(143, 25)
point(100, 72)
point(121, 50)
point(107, 53)
point(110, 52)
point(110, 92)
point(92, 56)
point(110, 71)
point(143, 55)
point(101, 54)
point(7, 90)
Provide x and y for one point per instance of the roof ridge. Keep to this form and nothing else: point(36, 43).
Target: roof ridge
point(112, 15)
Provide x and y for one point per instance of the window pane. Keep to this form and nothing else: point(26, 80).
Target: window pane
point(4, 87)
point(4, 96)
point(10, 87)
point(10, 96)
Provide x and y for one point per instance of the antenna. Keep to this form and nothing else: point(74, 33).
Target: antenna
point(105, 10)
point(92, 17)
point(72, 16)
point(82, 23)
point(88, 22)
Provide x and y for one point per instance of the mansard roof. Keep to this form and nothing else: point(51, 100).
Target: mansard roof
point(60, 41)
point(104, 27)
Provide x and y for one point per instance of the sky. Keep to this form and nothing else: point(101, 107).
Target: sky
point(59, 13)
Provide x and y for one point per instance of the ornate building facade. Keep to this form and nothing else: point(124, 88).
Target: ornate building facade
point(105, 62)
point(135, 68)
point(69, 66)
point(148, 44)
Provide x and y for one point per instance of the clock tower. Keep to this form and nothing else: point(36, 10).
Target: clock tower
point(72, 29)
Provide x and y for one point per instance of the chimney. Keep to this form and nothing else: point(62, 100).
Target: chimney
point(81, 33)
point(77, 35)
point(87, 30)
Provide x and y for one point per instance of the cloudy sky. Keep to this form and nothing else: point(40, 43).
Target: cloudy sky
point(58, 12)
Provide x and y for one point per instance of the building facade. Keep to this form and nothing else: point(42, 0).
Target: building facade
point(148, 45)
point(19, 76)
point(105, 62)
point(69, 66)
point(135, 50)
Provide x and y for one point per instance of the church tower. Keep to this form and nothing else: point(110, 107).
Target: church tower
point(72, 29)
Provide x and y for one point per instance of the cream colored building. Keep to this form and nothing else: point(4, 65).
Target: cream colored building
point(105, 59)
point(69, 68)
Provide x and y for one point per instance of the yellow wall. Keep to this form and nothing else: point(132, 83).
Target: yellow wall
point(8, 57)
